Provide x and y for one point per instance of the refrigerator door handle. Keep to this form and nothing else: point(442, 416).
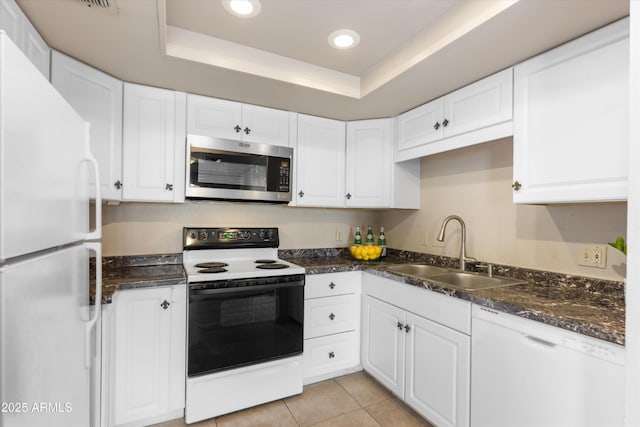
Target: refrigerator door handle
point(90, 325)
point(97, 233)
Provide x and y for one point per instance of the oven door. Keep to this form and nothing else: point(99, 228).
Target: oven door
point(225, 169)
point(230, 327)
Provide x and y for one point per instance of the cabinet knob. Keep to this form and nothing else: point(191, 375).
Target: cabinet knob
point(237, 128)
point(331, 355)
point(117, 184)
point(301, 193)
point(332, 316)
point(169, 187)
point(516, 185)
point(445, 122)
point(407, 328)
point(436, 126)
point(332, 285)
point(165, 304)
point(348, 196)
point(247, 131)
point(400, 326)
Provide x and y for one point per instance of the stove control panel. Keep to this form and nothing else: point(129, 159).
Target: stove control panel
point(220, 238)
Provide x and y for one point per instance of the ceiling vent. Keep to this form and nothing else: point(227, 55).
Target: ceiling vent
point(97, 3)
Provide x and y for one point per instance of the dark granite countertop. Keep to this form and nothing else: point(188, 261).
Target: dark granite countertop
point(587, 306)
point(139, 272)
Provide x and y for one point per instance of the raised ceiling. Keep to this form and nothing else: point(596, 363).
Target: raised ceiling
point(410, 51)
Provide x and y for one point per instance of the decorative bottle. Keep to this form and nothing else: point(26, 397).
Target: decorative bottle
point(382, 242)
point(369, 240)
point(358, 237)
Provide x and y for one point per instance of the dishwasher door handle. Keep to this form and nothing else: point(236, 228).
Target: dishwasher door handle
point(541, 342)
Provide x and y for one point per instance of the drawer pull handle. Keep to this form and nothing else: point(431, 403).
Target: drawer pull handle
point(331, 355)
point(165, 304)
point(332, 316)
point(332, 285)
point(400, 326)
point(407, 328)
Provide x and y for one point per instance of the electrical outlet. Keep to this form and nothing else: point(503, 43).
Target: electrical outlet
point(593, 256)
point(339, 235)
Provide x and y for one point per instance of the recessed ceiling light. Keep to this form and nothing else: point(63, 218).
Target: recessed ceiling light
point(344, 39)
point(242, 8)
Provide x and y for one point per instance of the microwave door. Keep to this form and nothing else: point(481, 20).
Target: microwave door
point(234, 171)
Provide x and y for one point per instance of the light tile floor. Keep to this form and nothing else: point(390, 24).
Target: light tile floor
point(350, 401)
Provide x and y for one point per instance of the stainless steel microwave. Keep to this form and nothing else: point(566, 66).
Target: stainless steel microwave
point(226, 169)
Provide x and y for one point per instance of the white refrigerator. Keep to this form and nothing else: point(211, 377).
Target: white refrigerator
point(48, 372)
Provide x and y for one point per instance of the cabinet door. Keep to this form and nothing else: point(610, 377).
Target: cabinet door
point(213, 117)
point(420, 125)
point(483, 103)
point(17, 26)
point(571, 121)
point(383, 342)
point(369, 162)
point(438, 372)
point(146, 364)
point(97, 97)
point(36, 49)
point(11, 19)
point(265, 125)
point(153, 144)
point(320, 162)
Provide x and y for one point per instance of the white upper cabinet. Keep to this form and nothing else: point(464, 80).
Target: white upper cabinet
point(368, 171)
point(571, 121)
point(233, 120)
point(97, 97)
point(479, 112)
point(320, 162)
point(15, 23)
point(356, 172)
point(373, 180)
point(153, 144)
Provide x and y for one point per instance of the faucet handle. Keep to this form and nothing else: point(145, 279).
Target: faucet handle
point(487, 266)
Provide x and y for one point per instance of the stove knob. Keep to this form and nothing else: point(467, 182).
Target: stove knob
point(193, 235)
point(203, 235)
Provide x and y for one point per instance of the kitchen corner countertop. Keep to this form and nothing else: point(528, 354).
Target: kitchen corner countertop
point(138, 272)
point(590, 307)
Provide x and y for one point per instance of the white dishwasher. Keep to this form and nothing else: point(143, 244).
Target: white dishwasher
point(526, 373)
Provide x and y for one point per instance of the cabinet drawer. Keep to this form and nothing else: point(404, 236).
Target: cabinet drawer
point(324, 285)
point(332, 353)
point(331, 315)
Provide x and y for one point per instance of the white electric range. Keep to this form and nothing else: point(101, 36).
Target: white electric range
point(245, 320)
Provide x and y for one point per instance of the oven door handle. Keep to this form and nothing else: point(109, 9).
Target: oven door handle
point(258, 288)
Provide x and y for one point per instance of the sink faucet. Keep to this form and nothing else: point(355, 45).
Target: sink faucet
point(463, 241)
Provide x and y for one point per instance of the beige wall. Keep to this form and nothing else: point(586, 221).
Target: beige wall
point(153, 228)
point(475, 183)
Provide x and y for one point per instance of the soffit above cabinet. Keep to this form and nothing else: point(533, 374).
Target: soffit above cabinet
point(410, 51)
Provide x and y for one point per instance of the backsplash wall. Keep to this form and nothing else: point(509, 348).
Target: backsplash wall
point(156, 228)
point(475, 183)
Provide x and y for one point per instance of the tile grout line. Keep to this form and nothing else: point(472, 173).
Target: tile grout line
point(290, 412)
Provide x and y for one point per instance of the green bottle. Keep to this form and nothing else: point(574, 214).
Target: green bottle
point(369, 240)
point(358, 237)
point(382, 242)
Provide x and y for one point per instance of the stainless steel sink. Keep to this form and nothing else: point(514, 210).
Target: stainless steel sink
point(454, 278)
point(473, 281)
point(419, 270)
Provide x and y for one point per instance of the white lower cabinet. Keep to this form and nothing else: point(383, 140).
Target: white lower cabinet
point(331, 325)
point(146, 345)
point(423, 359)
